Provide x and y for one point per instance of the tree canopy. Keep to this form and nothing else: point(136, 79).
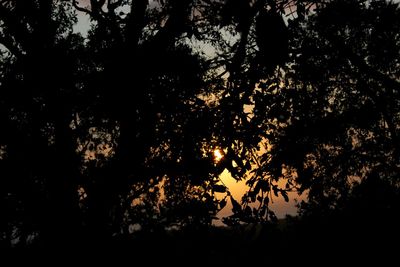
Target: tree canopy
point(114, 130)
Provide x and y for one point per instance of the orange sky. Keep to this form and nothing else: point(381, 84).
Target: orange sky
point(237, 189)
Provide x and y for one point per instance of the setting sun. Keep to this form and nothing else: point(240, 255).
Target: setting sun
point(217, 155)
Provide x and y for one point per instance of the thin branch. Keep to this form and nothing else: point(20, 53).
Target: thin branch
point(81, 9)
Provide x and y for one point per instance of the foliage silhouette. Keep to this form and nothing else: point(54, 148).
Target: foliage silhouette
point(111, 136)
point(342, 120)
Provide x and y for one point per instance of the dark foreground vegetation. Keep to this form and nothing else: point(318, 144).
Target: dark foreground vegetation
point(117, 118)
point(289, 242)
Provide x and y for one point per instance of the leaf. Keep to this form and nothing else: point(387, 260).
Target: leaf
point(219, 188)
point(222, 204)
point(236, 208)
point(285, 196)
point(247, 165)
point(275, 188)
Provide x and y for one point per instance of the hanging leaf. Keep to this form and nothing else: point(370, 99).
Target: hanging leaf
point(272, 38)
point(276, 190)
point(285, 195)
point(219, 188)
point(222, 204)
point(236, 208)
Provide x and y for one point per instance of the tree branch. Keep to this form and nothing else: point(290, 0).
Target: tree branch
point(95, 10)
point(81, 9)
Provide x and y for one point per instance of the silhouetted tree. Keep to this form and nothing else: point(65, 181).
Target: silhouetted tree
point(94, 124)
point(37, 98)
point(332, 114)
point(115, 131)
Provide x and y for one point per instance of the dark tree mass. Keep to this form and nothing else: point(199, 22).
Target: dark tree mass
point(117, 118)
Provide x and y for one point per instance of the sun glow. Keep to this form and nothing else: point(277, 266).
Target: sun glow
point(217, 155)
